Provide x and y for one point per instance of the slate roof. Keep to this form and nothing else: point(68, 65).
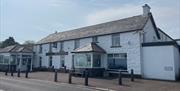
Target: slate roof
point(122, 25)
point(91, 47)
point(17, 48)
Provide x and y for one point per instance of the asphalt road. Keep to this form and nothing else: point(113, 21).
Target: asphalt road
point(21, 84)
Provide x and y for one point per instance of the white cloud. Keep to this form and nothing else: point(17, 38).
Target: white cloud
point(113, 13)
point(167, 18)
point(64, 3)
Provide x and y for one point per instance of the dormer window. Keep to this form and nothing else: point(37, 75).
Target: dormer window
point(95, 39)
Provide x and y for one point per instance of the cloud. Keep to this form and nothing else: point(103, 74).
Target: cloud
point(166, 17)
point(64, 3)
point(113, 13)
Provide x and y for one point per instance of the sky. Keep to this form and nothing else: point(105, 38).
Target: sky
point(35, 19)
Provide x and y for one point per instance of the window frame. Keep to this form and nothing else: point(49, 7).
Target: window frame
point(95, 39)
point(117, 56)
point(54, 44)
point(40, 48)
point(113, 39)
point(40, 61)
point(61, 45)
point(76, 43)
point(50, 61)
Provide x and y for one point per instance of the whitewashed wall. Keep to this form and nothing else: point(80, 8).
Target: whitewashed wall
point(164, 37)
point(149, 33)
point(159, 62)
point(130, 42)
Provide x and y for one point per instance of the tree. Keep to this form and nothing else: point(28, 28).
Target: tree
point(8, 42)
point(29, 42)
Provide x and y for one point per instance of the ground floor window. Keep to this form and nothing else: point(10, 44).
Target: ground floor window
point(1, 59)
point(13, 61)
point(50, 61)
point(117, 61)
point(82, 60)
point(6, 59)
point(40, 61)
point(62, 61)
point(96, 60)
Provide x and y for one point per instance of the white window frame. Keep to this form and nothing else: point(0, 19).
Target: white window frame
point(76, 43)
point(115, 38)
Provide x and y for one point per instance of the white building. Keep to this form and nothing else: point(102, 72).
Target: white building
point(131, 43)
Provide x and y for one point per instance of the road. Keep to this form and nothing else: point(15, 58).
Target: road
point(22, 84)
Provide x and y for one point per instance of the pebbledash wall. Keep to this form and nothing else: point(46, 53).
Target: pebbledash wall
point(129, 41)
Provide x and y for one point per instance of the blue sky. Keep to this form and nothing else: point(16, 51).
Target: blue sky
point(35, 19)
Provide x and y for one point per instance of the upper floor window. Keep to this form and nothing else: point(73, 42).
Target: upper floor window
point(61, 45)
point(116, 40)
point(95, 39)
point(76, 44)
point(55, 45)
point(40, 48)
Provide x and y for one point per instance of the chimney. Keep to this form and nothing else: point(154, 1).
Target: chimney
point(146, 9)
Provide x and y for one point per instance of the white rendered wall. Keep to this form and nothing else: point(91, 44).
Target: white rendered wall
point(149, 33)
point(130, 44)
point(158, 62)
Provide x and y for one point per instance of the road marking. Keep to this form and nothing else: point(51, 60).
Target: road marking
point(1, 90)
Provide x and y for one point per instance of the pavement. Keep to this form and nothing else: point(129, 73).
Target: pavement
point(102, 84)
point(19, 84)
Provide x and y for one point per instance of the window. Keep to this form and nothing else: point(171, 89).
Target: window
point(62, 61)
point(61, 45)
point(117, 61)
point(96, 60)
point(82, 60)
point(6, 59)
point(50, 47)
point(40, 61)
point(40, 48)
point(1, 59)
point(115, 40)
point(18, 60)
point(13, 61)
point(76, 44)
point(95, 39)
point(50, 61)
point(55, 45)
point(24, 60)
